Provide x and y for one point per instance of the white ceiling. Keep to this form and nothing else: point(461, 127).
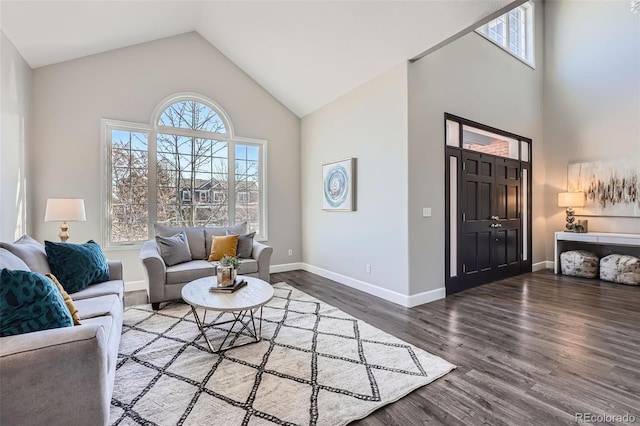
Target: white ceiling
point(305, 53)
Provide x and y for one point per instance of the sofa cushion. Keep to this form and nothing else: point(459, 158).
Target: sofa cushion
point(115, 287)
point(67, 299)
point(9, 260)
point(223, 246)
point(98, 306)
point(174, 249)
point(245, 244)
point(189, 271)
point(194, 235)
point(29, 302)
point(219, 231)
point(77, 265)
point(31, 252)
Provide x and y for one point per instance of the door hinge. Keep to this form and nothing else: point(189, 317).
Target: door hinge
point(464, 217)
point(464, 166)
point(464, 268)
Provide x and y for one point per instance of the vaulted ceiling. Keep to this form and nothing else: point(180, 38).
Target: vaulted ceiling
point(305, 53)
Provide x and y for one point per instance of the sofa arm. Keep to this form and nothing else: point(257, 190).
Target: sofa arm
point(115, 269)
point(156, 271)
point(262, 253)
point(55, 377)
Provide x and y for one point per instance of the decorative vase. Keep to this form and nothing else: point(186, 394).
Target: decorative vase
point(226, 275)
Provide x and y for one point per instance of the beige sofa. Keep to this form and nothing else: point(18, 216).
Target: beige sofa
point(165, 282)
point(62, 376)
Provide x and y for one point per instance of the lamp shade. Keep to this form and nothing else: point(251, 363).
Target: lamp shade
point(571, 199)
point(65, 210)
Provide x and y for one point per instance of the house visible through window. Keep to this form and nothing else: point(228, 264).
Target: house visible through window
point(186, 169)
point(513, 32)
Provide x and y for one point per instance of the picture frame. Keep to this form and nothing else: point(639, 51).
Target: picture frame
point(611, 188)
point(339, 186)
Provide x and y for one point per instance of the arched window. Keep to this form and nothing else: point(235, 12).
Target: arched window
point(186, 169)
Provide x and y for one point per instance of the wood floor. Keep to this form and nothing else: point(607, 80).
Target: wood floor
point(535, 349)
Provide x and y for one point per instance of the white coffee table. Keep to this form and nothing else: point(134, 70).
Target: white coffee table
point(244, 301)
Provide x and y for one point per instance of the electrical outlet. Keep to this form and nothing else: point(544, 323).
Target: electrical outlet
point(368, 268)
point(290, 252)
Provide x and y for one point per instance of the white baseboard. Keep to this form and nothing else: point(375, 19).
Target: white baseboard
point(135, 285)
point(383, 293)
point(427, 297)
point(285, 267)
point(545, 264)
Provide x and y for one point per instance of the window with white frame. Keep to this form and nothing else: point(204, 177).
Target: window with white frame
point(185, 169)
point(513, 32)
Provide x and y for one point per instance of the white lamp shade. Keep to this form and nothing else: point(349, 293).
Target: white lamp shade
point(65, 210)
point(571, 199)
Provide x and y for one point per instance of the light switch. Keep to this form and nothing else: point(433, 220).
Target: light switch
point(426, 212)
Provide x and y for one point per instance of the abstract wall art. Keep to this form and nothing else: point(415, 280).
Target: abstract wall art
point(612, 188)
point(338, 185)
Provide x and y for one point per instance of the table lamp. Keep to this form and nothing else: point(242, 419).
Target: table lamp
point(65, 210)
point(571, 200)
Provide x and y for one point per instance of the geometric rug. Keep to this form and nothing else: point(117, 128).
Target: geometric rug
point(315, 365)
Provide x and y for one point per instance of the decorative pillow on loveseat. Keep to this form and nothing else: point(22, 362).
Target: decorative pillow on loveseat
point(77, 265)
point(31, 252)
point(29, 301)
point(174, 249)
point(245, 244)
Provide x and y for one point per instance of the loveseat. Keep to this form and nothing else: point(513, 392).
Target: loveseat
point(166, 282)
point(62, 376)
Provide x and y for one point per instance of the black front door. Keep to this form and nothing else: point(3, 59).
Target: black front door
point(490, 228)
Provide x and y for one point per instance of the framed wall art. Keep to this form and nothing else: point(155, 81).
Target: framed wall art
point(612, 188)
point(338, 186)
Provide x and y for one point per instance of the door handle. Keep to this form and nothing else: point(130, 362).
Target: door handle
point(495, 218)
point(496, 225)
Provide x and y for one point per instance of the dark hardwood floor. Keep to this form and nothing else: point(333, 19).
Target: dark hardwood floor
point(534, 349)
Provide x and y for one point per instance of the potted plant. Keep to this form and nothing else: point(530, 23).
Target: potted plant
point(227, 270)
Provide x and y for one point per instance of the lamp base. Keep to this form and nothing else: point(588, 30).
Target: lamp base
point(64, 235)
point(571, 227)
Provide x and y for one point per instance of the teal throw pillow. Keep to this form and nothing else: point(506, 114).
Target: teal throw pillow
point(29, 301)
point(77, 265)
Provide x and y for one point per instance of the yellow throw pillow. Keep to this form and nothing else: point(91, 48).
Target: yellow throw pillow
point(223, 246)
point(67, 299)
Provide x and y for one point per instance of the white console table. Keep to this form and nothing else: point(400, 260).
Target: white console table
point(598, 238)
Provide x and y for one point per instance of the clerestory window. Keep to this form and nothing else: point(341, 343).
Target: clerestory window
point(185, 169)
point(513, 32)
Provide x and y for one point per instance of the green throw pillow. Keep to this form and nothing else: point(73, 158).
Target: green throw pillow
point(29, 301)
point(77, 265)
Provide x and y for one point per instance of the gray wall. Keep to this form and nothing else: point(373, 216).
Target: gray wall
point(70, 98)
point(474, 79)
point(592, 97)
point(369, 123)
point(15, 90)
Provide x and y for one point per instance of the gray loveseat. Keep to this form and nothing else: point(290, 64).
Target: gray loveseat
point(62, 376)
point(166, 282)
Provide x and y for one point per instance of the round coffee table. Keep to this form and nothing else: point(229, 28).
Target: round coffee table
point(244, 301)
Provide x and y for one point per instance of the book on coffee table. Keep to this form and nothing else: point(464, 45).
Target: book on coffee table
point(238, 284)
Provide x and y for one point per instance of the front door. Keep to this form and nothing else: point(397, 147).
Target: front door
point(490, 237)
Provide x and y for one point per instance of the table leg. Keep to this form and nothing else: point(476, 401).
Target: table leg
point(201, 327)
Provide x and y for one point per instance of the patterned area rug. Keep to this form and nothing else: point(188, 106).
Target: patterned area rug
point(315, 365)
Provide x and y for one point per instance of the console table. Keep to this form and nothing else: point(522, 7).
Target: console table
point(602, 243)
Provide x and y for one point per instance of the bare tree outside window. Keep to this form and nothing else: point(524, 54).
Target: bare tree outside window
point(193, 184)
point(129, 182)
